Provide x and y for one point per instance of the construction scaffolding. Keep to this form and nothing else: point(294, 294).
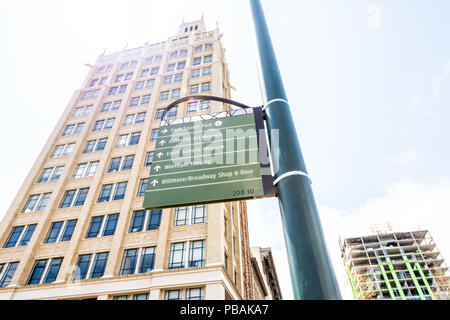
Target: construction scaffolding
point(395, 266)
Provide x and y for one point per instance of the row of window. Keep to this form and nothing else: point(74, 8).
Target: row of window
point(136, 260)
point(142, 220)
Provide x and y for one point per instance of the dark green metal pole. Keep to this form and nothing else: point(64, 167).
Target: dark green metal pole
point(311, 270)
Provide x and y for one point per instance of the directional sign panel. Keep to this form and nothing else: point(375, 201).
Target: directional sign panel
point(206, 161)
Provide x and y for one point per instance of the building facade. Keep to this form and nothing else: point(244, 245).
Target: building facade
point(77, 230)
point(390, 265)
point(265, 279)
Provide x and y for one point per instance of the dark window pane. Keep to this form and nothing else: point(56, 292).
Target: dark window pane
point(154, 219)
point(94, 228)
point(68, 231)
point(13, 237)
point(28, 234)
point(53, 234)
point(36, 273)
point(137, 223)
point(53, 270)
point(129, 262)
point(105, 194)
point(67, 199)
point(119, 194)
point(111, 223)
point(8, 275)
point(99, 266)
point(147, 260)
point(81, 197)
point(82, 267)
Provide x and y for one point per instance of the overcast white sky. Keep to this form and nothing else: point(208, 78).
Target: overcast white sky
point(368, 83)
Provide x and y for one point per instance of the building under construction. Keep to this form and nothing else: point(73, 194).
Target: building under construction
point(391, 265)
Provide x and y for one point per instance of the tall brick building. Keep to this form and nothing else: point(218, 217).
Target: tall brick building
point(76, 228)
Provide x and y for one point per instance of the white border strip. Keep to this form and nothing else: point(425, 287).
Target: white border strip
point(290, 173)
point(272, 101)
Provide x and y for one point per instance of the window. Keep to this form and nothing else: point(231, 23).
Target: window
point(73, 198)
point(148, 159)
point(129, 262)
point(175, 94)
point(73, 129)
point(103, 124)
point(128, 76)
point(197, 253)
point(82, 111)
point(194, 294)
point(167, 79)
point(7, 274)
point(63, 150)
point(36, 202)
point(193, 89)
point(54, 232)
point(93, 82)
point(181, 65)
point(128, 139)
point(144, 73)
point(206, 86)
point(102, 81)
point(142, 258)
point(50, 174)
point(140, 296)
point(207, 59)
point(208, 46)
point(95, 268)
point(121, 163)
point(164, 95)
point(89, 94)
point(20, 235)
point(176, 258)
point(95, 145)
point(178, 77)
point(192, 106)
point(151, 219)
point(173, 295)
point(99, 265)
point(198, 48)
point(172, 112)
point(42, 267)
point(170, 67)
point(148, 60)
point(112, 192)
point(101, 226)
point(197, 61)
point(195, 73)
point(206, 71)
point(110, 106)
point(136, 118)
point(68, 230)
point(145, 99)
point(129, 64)
point(139, 85)
point(142, 187)
point(154, 135)
point(205, 104)
point(85, 170)
point(159, 113)
point(154, 70)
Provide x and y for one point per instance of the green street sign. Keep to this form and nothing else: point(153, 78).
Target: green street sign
point(213, 158)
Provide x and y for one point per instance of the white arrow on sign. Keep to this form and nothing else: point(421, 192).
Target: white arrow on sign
point(159, 155)
point(154, 182)
point(157, 168)
point(164, 131)
point(162, 142)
